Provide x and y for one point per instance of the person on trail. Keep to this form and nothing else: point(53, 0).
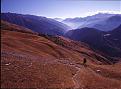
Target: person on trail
point(84, 61)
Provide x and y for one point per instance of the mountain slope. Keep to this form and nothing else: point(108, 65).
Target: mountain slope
point(32, 60)
point(98, 40)
point(36, 23)
point(114, 37)
point(63, 46)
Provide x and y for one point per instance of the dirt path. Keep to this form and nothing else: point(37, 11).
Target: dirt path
point(63, 61)
point(75, 81)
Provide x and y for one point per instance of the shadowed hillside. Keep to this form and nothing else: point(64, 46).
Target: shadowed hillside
point(36, 23)
point(108, 43)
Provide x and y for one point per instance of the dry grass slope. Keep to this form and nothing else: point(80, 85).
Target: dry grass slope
point(29, 60)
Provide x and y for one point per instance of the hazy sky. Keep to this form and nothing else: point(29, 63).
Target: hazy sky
point(61, 8)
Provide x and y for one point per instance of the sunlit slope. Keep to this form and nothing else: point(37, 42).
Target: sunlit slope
point(32, 60)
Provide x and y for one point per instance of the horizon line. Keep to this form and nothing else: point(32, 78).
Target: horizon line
point(98, 12)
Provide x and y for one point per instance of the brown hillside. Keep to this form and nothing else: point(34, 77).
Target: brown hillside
point(31, 60)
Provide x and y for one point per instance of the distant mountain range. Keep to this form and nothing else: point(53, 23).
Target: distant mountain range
point(106, 42)
point(103, 22)
point(36, 23)
point(106, 39)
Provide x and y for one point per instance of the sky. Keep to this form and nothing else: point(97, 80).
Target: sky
point(61, 8)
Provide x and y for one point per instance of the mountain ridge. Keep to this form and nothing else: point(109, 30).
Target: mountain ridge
point(36, 23)
point(103, 22)
point(100, 40)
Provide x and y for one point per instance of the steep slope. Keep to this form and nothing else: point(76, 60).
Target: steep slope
point(103, 22)
point(63, 46)
point(115, 36)
point(36, 23)
point(12, 27)
point(102, 41)
point(32, 60)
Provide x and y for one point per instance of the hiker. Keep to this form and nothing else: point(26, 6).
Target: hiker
point(84, 61)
